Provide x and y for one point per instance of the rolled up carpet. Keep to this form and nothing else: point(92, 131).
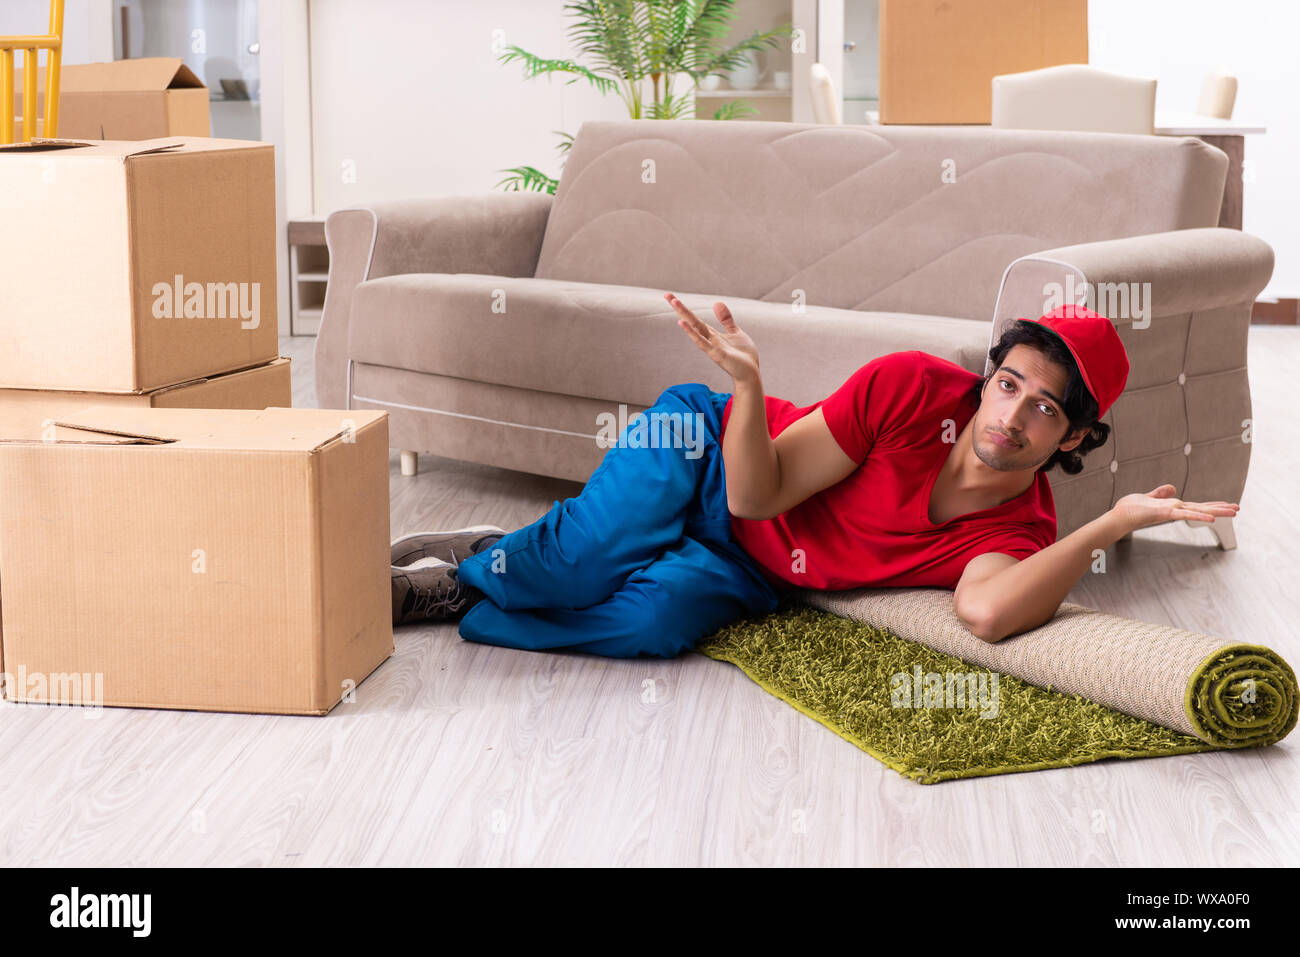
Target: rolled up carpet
point(1227, 694)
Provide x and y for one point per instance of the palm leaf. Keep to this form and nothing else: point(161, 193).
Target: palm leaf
point(674, 107)
point(536, 66)
point(625, 42)
point(528, 178)
point(604, 31)
point(734, 110)
point(733, 57)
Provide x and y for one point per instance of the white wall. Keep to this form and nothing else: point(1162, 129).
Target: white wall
point(286, 122)
point(408, 99)
point(1178, 42)
point(87, 26)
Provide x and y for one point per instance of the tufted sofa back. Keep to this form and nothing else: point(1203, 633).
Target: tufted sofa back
point(918, 219)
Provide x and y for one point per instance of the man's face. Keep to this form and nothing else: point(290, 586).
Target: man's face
point(1022, 402)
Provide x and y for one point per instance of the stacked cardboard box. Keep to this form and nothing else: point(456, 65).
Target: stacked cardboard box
point(137, 99)
point(139, 273)
point(938, 60)
point(136, 265)
point(136, 277)
point(215, 560)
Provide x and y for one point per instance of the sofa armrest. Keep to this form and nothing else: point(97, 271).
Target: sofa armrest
point(1181, 302)
point(497, 234)
point(1134, 279)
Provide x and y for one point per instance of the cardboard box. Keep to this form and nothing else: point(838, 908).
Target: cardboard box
point(938, 60)
point(138, 99)
point(26, 413)
point(127, 267)
point(209, 560)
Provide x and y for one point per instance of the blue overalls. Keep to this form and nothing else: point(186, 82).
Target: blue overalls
point(641, 563)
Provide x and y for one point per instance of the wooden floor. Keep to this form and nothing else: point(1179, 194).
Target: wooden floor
point(464, 754)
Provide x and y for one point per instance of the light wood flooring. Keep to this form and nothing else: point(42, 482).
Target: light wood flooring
point(458, 753)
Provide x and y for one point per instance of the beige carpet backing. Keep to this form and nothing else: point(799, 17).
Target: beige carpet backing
point(1225, 693)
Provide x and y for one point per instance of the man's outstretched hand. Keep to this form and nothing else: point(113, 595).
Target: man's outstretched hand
point(1139, 510)
point(732, 349)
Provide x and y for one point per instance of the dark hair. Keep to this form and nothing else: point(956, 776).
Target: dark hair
point(1080, 406)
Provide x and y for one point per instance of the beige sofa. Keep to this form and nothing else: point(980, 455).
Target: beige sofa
point(497, 328)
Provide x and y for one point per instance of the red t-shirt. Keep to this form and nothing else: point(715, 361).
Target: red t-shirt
point(873, 527)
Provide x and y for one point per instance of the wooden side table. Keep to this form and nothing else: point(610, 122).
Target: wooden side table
point(1227, 135)
point(309, 268)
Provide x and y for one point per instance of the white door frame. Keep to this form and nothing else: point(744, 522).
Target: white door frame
point(284, 38)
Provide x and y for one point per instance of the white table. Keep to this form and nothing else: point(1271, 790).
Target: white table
point(1194, 124)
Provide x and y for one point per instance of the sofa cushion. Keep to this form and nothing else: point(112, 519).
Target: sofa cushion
point(622, 343)
point(875, 218)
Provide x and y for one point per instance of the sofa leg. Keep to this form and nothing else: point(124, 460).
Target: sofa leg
point(410, 462)
point(1224, 532)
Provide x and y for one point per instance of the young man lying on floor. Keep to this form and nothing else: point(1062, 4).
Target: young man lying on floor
point(915, 472)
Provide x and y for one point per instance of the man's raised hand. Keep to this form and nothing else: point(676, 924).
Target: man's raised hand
point(731, 348)
point(1140, 510)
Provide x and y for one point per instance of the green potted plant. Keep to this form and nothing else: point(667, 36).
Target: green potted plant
point(629, 42)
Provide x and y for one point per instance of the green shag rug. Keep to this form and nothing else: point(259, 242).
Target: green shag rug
point(927, 715)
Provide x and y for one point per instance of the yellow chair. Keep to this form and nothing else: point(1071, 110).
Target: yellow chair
point(52, 43)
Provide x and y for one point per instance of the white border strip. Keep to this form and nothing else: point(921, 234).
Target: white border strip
point(463, 415)
point(995, 334)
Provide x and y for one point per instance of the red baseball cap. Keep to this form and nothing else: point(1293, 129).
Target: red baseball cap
point(1096, 347)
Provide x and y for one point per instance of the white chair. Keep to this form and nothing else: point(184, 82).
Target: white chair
point(1218, 94)
point(825, 101)
point(1074, 96)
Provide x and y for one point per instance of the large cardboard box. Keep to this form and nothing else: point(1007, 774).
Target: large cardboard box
point(130, 266)
point(28, 413)
point(938, 59)
point(212, 560)
point(139, 99)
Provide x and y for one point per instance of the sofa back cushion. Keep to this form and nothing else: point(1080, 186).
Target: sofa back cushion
point(920, 219)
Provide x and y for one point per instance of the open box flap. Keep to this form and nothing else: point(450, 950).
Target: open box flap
point(139, 74)
point(271, 429)
point(122, 150)
point(127, 76)
point(118, 149)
